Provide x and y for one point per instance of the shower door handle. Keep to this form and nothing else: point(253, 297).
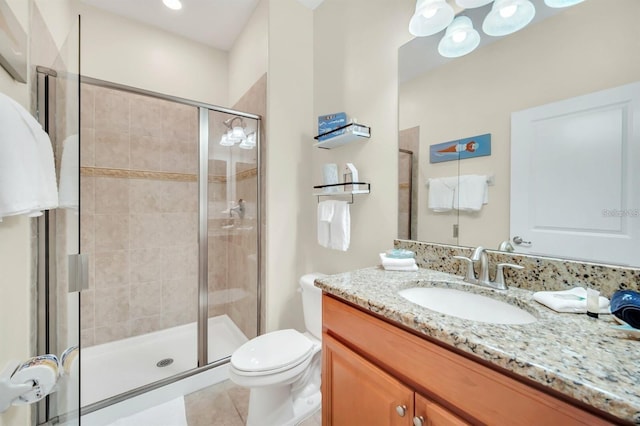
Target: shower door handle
point(78, 272)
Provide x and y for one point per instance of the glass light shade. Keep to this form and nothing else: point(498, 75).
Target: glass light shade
point(561, 3)
point(461, 38)
point(238, 133)
point(231, 138)
point(430, 17)
point(251, 139)
point(508, 16)
point(173, 4)
point(470, 4)
point(225, 141)
point(245, 144)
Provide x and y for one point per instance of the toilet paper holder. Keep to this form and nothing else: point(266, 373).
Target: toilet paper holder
point(9, 391)
point(30, 381)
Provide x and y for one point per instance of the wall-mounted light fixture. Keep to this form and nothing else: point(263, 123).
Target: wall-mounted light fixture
point(505, 17)
point(430, 17)
point(173, 4)
point(237, 134)
point(561, 3)
point(460, 38)
point(508, 16)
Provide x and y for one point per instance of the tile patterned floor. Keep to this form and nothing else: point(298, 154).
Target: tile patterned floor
point(225, 404)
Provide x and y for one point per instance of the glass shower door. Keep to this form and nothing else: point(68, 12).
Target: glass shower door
point(60, 272)
point(232, 224)
point(140, 229)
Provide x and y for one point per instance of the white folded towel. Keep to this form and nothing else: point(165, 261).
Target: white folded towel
point(572, 301)
point(325, 214)
point(441, 193)
point(390, 261)
point(390, 264)
point(411, 268)
point(471, 193)
point(340, 228)
point(27, 171)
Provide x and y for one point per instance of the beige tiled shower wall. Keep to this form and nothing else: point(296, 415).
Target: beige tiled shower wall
point(139, 213)
point(233, 256)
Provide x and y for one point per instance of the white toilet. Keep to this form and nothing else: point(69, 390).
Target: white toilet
point(282, 368)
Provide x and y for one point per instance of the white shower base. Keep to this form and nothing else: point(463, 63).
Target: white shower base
point(112, 368)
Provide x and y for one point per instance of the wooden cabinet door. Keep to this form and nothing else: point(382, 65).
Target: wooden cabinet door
point(357, 393)
point(432, 414)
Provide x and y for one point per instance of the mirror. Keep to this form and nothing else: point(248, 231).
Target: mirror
point(563, 54)
point(13, 44)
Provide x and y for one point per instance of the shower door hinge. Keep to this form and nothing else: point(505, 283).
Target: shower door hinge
point(455, 230)
point(78, 272)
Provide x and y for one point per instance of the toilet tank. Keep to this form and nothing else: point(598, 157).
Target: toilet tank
point(312, 304)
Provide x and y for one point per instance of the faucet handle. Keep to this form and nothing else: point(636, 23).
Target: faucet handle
point(470, 276)
point(500, 273)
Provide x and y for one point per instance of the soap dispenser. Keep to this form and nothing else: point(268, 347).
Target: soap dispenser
point(351, 171)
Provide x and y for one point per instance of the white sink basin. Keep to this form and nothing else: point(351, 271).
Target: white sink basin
point(466, 305)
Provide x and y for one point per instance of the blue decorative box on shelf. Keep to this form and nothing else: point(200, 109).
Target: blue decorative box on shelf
point(342, 135)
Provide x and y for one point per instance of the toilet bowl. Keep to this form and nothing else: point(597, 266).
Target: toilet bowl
point(282, 368)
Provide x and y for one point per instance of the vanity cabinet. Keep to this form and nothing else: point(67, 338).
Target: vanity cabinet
point(374, 370)
point(363, 394)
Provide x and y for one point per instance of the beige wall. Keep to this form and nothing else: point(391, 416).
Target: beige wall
point(130, 53)
point(15, 261)
point(288, 181)
point(355, 68)
point(15, 303)
point(552, 60)
point(248, 58)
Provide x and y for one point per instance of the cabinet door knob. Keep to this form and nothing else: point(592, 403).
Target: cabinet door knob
point(418, 421)
point(401, 410)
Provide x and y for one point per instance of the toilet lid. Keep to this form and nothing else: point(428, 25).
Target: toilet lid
point(272, 351)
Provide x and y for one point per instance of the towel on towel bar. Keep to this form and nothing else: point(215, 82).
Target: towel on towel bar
point(27, 171)
point(325, 214)
point(340, 228)
point(471, 193)
point(441, 193)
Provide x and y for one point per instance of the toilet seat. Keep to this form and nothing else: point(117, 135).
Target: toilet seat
point(272, 353)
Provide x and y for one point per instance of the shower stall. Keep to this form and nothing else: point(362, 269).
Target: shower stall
point(166, 229)
point(170, 221)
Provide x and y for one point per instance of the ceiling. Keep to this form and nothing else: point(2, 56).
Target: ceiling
point(216, 23)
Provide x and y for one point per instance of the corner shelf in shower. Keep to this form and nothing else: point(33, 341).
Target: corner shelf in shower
point(352, 132)
point(342, 192)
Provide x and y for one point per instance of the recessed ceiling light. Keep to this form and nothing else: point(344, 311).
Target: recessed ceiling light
point(173, 4)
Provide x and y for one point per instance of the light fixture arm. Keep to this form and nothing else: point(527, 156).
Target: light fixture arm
point(229, 122)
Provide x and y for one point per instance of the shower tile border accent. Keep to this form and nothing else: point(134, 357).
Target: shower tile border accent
point(540, 273)
point(136, 174)
point(165, 176)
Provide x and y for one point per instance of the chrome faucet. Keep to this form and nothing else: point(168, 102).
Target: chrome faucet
point(480, 255)
point(239, 209)
point(482, 277)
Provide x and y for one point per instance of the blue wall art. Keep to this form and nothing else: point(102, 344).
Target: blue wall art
point(476, 146)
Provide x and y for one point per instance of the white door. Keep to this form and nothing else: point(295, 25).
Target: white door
point(575, 177)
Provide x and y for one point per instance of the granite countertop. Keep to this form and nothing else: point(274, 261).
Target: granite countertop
point(571, 353)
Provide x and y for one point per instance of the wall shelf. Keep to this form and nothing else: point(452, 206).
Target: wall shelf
point(352, 132)
point(342, 192)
